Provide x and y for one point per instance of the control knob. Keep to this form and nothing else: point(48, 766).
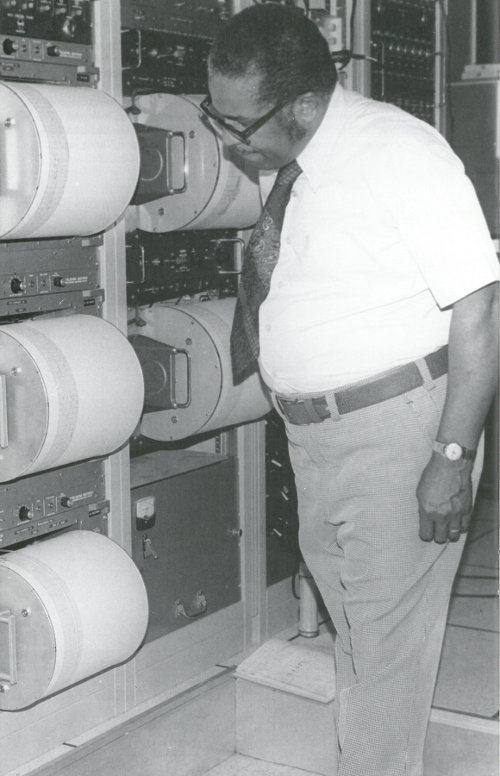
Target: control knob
point(17, 286)
point(10, 46)
point(24, 514)
point(53, 50)
point(69, 27)
point(59, 281)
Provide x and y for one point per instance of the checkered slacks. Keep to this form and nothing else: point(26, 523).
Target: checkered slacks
point(386, 590)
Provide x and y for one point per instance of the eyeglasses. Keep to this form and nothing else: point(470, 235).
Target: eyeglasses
point(240, 134)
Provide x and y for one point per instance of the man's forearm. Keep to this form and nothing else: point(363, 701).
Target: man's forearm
point(473, 367)
point(444, 492)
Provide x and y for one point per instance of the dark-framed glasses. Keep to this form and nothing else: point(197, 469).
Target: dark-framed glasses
point(240, 134)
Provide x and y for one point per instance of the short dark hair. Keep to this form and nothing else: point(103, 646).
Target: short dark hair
point(278, 44)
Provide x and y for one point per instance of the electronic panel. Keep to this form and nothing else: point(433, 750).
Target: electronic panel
point(403, 51)
point(200, 18)
point(50, 275)
point(48, 40)
point(165, 44)
point(71, 497)
point(185, 535)
point(156, 61)
point(58, 20)
point(171, 265)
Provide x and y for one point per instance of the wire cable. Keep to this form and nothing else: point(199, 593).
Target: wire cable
point(344, 56)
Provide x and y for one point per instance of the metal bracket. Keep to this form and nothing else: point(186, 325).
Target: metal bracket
point(8, 657)
point(200, 605)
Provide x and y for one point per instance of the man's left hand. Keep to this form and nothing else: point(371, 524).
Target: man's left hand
point(444, 497)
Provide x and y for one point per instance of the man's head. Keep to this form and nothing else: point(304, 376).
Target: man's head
point(270, 59)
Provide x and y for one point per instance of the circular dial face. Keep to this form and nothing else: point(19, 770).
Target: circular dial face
point(453, 451)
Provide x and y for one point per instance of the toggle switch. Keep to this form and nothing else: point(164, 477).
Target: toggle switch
point(148, 550)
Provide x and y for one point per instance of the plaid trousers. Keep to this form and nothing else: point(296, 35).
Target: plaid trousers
point(386, 590)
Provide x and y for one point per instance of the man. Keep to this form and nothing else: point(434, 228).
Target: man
point(384, 259)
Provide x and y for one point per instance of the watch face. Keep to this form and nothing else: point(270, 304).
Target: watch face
point(453, 451)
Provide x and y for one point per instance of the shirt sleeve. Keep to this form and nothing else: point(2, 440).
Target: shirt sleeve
point(439, 218)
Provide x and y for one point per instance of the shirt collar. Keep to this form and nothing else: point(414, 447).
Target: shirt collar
point(322, 143)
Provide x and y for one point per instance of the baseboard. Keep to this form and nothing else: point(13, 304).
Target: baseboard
point(193, 730)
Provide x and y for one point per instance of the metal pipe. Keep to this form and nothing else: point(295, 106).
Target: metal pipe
point(308, 622)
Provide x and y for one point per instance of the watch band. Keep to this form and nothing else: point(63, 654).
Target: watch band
point(453, 451)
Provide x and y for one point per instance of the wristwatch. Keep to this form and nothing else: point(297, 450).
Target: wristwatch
point(453, 451)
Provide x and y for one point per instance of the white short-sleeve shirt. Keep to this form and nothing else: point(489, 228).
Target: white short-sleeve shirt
point(383, 232)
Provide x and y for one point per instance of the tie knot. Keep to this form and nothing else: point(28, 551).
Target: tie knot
point(287, 174)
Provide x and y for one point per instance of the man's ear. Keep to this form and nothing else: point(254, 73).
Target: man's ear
point(308, 110)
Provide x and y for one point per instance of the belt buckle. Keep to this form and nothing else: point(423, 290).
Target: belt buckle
point(293, 410)
point(286, 405)
point(300, 412)
point(279, 402)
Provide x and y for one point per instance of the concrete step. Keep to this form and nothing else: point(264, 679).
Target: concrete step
point(284, 707)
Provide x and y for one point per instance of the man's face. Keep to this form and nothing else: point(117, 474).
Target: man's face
point(235, 100)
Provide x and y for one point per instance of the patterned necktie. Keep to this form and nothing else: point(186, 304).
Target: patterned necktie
point(261, 256)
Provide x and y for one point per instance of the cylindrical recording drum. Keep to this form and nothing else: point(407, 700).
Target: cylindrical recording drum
point(70, 388)
point(70, 606)
point(69, 160)
point(186, 361)
point(196, 185)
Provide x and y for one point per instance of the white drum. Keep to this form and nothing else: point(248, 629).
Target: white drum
point(70, 606)
point(198, 368)
point(69, 161)
point(70, 388)
point(208, 190)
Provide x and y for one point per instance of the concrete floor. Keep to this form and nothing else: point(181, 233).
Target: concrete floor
point(238, 765)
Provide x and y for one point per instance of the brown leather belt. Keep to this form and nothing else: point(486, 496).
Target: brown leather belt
point(300, 411)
